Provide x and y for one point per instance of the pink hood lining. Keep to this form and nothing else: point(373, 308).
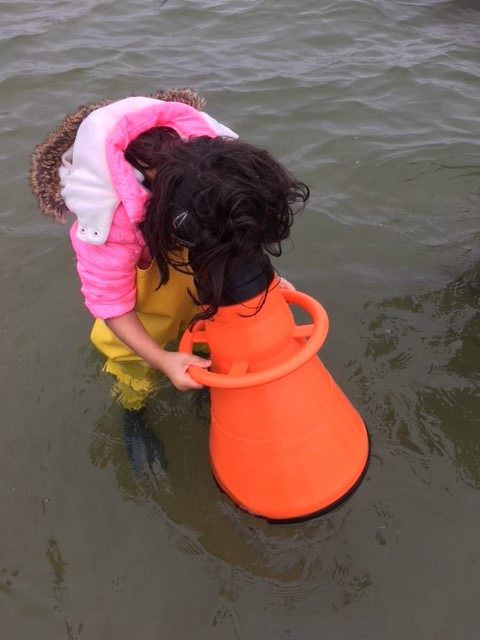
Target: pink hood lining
point(185, 120)
point(94, 174)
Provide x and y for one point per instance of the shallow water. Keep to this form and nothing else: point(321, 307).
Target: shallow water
point(375, 106)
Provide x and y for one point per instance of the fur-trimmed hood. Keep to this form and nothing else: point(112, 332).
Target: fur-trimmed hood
point(46, 158)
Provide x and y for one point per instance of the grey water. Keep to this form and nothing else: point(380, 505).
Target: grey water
point(373, 103)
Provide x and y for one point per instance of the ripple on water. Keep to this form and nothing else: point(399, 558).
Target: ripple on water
point(375, 105)
point(430, 334)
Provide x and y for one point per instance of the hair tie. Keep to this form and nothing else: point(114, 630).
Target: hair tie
point(176, 223)
point(180, 219)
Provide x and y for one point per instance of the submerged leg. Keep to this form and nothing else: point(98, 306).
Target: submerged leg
point(135, 384)
point(145, 450)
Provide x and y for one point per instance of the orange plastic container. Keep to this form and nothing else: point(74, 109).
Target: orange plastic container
point(285, 442)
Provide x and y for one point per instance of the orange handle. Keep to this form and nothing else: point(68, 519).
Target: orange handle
point(315, 333)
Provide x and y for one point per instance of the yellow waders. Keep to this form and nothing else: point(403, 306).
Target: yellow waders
point(165, 313)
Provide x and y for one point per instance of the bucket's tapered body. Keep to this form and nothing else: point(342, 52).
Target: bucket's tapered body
point(285, 442)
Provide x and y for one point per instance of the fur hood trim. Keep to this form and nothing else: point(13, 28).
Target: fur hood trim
point(46, 158)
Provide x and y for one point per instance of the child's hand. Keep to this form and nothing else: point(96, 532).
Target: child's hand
point(175, 366)
point(285, 284)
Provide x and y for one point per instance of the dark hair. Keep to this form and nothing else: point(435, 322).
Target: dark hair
point(228, 203)
point(143, 152)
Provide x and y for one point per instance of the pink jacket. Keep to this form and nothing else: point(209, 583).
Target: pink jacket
point(104, 192)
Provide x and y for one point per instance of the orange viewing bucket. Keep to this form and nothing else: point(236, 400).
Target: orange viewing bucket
point(285, 441)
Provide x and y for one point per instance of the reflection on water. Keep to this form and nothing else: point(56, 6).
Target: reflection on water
point(418, 417)
point(294, 559)
point(58, 568)
point(57, 564)
point(420, 371)
point(7, 579)
point(375, 105)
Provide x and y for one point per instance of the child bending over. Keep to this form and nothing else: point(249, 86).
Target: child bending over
point(174, 218)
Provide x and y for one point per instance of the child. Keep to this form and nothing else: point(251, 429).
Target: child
point(134, 320)
point(218, 207)
point(215, 207)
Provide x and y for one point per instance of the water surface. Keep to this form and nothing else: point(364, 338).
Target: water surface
point(375, 105)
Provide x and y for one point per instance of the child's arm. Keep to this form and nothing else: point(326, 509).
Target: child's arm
point(173, 364)
point(107, 273)
point(285, 284)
